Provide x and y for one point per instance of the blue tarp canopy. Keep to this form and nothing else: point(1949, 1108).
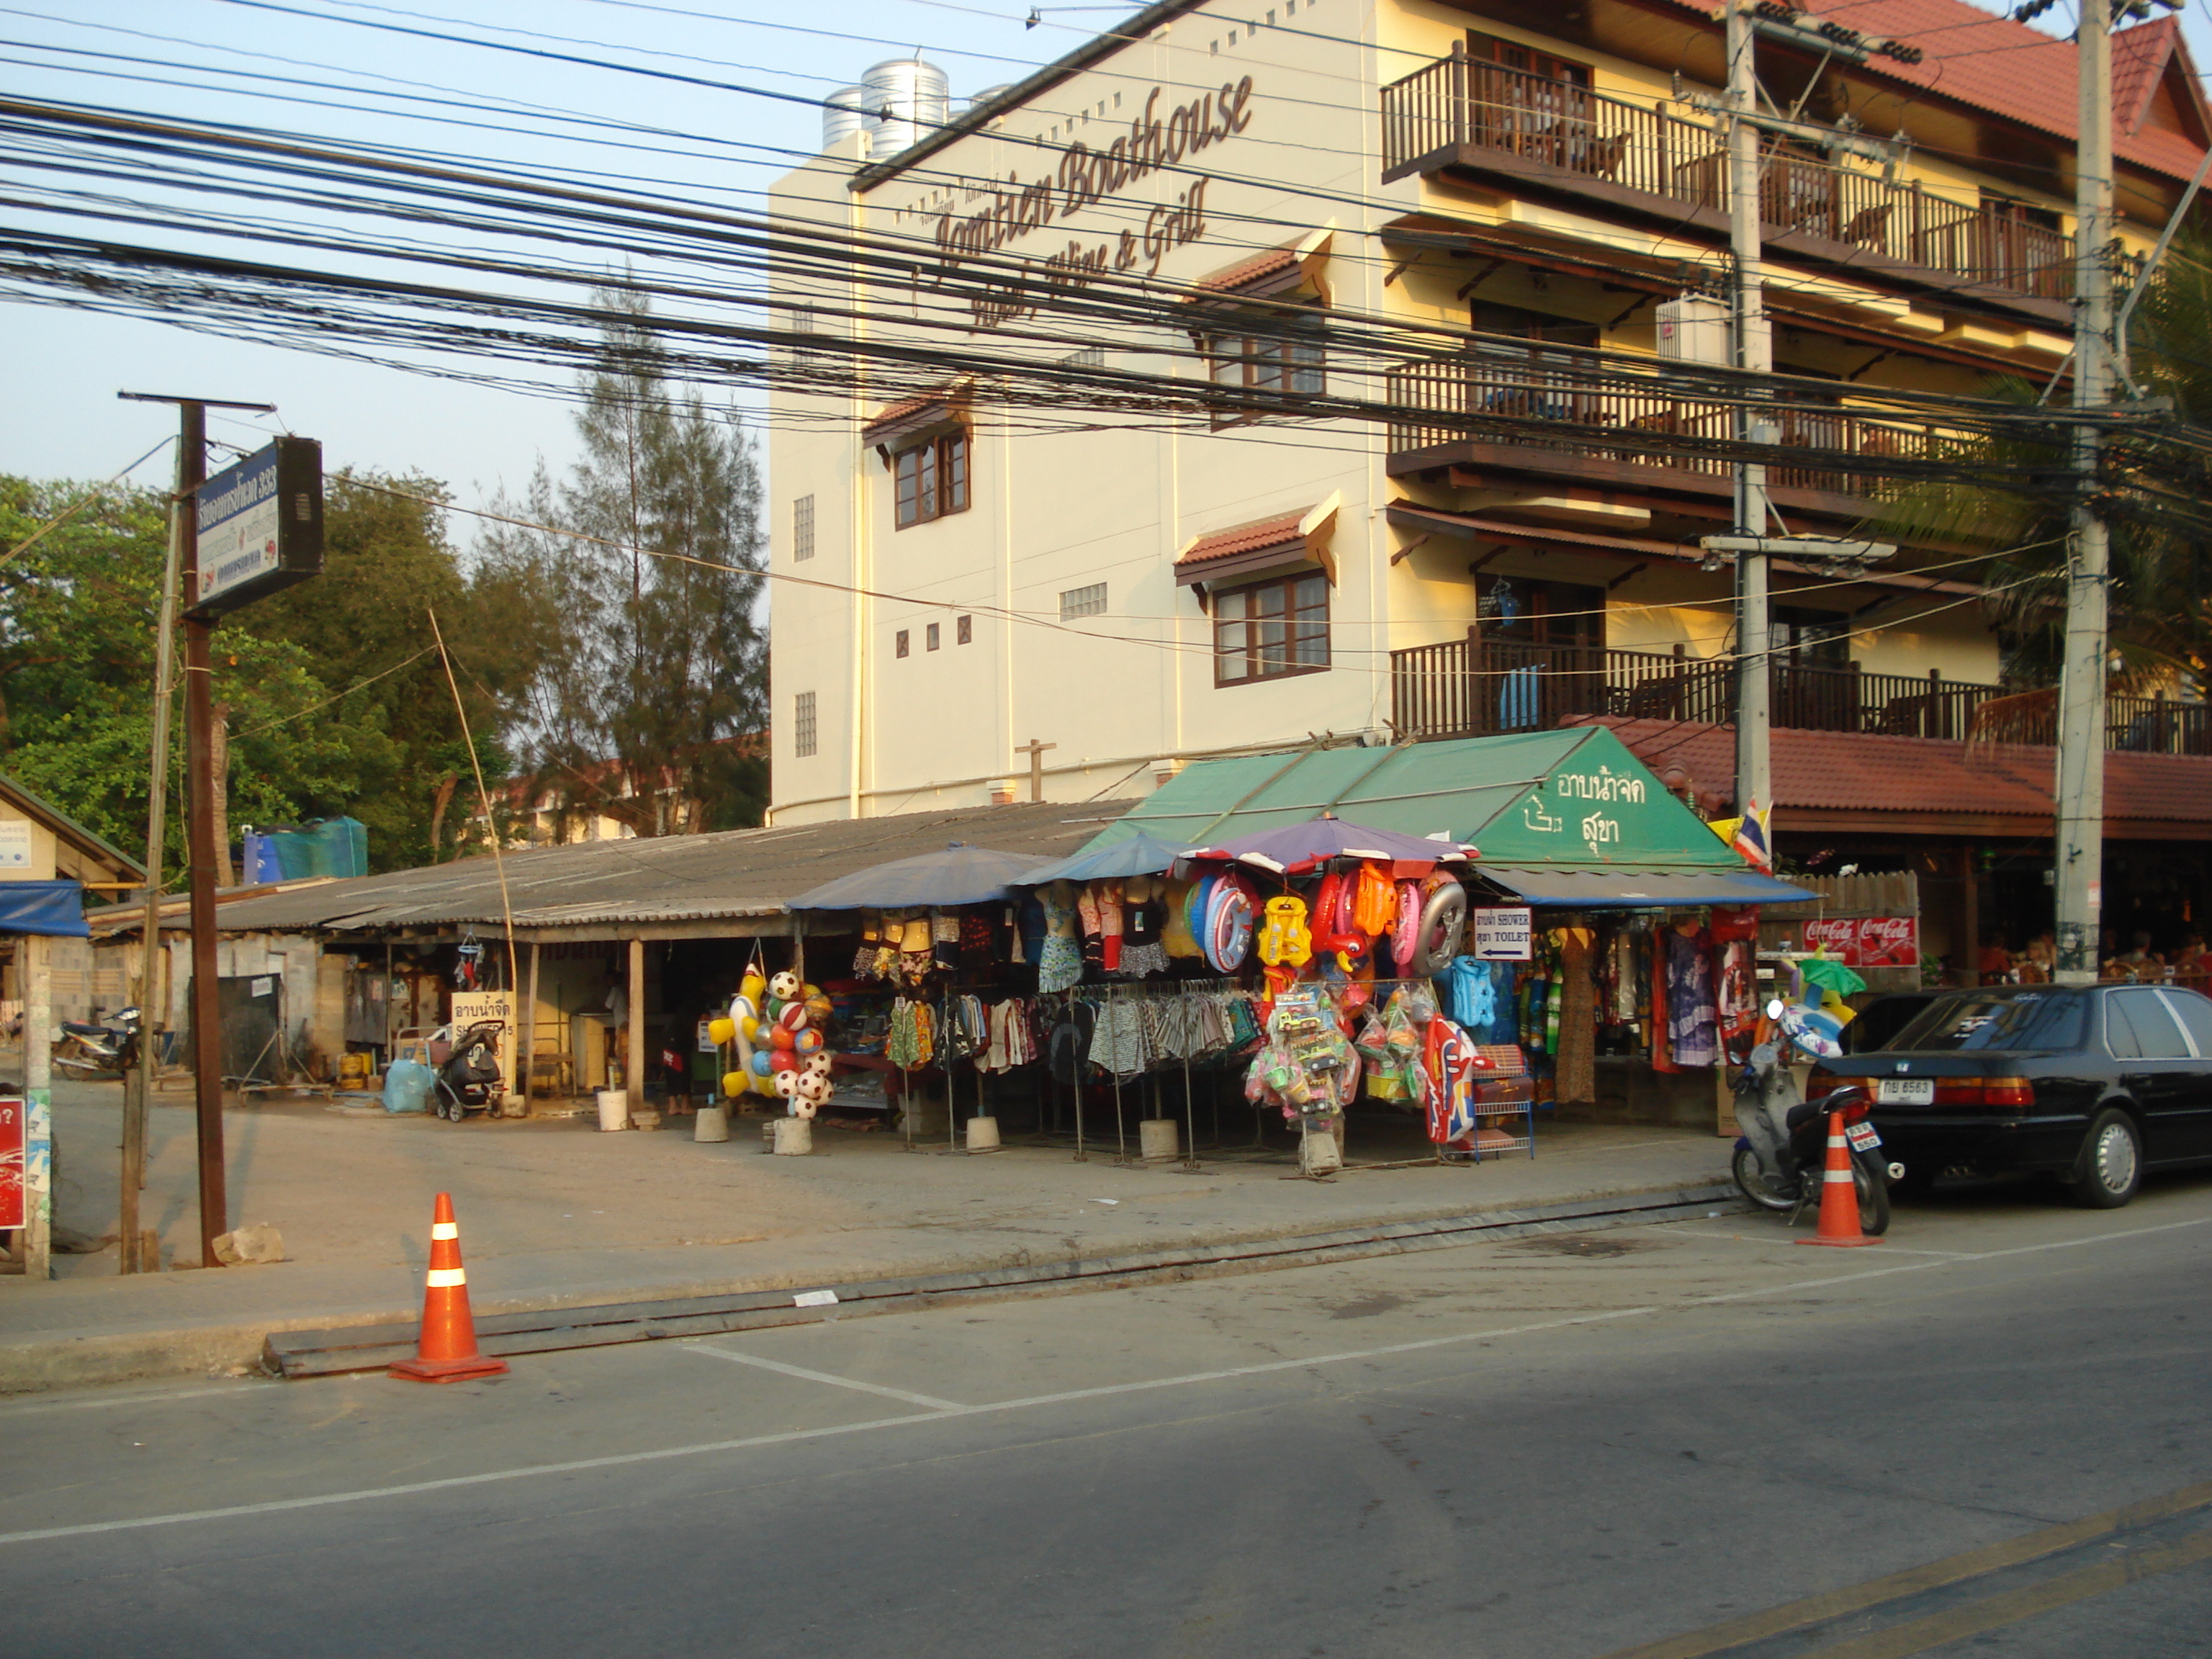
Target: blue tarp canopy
point(961, 874)
point(1632, 887)
point(1139, 855)
point(52, 908)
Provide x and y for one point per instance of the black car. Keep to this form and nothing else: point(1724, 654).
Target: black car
point(2095, 1084)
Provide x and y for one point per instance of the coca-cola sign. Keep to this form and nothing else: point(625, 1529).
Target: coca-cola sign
point(1868, 941)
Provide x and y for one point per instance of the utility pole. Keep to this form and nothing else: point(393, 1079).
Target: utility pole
point(2079, 845)
point(1754, 354)
point(199, 815)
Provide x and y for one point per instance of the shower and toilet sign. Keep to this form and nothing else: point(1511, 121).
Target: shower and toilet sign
point(1500, 934)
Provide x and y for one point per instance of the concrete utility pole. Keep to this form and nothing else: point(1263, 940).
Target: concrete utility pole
point(2080, 842)
point(1754, 353)
point(199, 814)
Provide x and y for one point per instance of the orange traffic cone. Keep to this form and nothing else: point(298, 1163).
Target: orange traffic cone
point(1840, 1195)
point(446, 1351)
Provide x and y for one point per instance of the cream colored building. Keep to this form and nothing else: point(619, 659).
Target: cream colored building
point(965, 564)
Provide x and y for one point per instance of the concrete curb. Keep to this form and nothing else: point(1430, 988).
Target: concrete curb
point(234, 1347)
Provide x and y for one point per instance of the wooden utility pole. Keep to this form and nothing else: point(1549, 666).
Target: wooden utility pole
point(199, 814)
point(1036, 752)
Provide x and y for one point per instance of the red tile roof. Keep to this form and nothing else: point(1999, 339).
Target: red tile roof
point(2008, 69)
point(1831, 770)
point(1249, 270)
point(1245, 538)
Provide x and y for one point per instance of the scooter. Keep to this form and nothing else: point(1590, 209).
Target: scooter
point(1782, 1152)
point(108, 1046)
point(471, 1079)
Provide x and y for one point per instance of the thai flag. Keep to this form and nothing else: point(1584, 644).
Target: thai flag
point(1752, 840)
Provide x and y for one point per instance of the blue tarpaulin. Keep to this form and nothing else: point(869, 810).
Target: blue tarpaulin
point(52, 908)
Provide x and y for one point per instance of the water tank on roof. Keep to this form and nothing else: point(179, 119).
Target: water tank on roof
point(907, 99)
point(843, 114)
point(988, 94)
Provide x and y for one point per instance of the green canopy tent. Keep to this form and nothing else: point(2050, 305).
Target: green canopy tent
point(1566, 817)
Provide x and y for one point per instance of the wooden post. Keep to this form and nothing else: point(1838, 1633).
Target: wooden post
point(527, 1037)
point(1969, 914)
point(1035, 751)
point(634, 1064)
point(32, 952)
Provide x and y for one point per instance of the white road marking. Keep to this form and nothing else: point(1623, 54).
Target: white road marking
point(801, 1372)
point(23, 1409)
point(621, 1460)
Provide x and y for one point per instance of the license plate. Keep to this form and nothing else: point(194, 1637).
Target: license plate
point(1862, 1136)
point(1906, 1092)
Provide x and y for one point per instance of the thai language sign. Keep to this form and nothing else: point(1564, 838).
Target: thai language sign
point(1868, 941)
point(1500, 935)
point(260, 526)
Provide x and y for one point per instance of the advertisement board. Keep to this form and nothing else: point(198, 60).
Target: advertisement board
point(1868, 941)
point(1500, 935)
point(14, 1130)
point(260, 526)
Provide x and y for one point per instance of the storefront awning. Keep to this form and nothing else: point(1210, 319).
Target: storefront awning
point(1634, 887)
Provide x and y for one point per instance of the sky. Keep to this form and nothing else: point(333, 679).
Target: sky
point(64, 366)
point(250, 62)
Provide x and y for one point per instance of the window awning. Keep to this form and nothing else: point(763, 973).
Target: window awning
point(1634, 887)
point(897, 426)
point(1299, 537)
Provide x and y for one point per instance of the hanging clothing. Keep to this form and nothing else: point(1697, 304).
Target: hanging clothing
point(1117, 1046)
point(1059, 962)
point(1693, 1019)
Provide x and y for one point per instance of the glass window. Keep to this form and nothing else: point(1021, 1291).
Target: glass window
point(802, 528)
point(899, 643)
point(1083, 602)
point(930, 636)
point(802, 724)
point(932, 478)
point(1278, 353)
point(2138, 1026)
point(2035, 1022)
point(964, 631)
point(1271, 630)
point(2195, 1012)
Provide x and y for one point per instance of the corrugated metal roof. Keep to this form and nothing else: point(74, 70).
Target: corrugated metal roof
point(1574, 798)
point(667, 879)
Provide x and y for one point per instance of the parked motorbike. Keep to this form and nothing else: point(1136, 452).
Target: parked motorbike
point(1782, 1152)
point(471, 1079)
point(103, 1048)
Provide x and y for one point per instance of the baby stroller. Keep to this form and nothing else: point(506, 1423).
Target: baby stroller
point(471, 1079)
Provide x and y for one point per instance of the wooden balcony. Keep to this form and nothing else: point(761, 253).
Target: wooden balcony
point(1478, 687)
point(1651, 435)
point(1648, 160)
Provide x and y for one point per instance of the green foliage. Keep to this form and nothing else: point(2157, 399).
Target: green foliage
point(649, 664)
point(78, 612)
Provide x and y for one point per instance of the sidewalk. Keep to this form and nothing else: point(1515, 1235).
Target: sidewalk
point(553, 1213)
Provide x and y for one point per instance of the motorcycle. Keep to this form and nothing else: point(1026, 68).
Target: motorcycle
point(1783, 1153)
point(471, 1079)
point(102, 1048)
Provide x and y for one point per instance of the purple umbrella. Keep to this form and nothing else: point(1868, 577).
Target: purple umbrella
point(1297, 849)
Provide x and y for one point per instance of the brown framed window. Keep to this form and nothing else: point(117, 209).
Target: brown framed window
point(901, 643)
point(964, 631)
point(1277, 354)
point(932, 478)
point(1270, 630)
point(931, 637)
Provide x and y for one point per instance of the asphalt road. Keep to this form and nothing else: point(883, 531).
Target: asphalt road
point(1987, 1436)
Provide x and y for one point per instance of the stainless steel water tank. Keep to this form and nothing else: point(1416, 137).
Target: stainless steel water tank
point(843, 114)
point(909, 100)
point(988, 94)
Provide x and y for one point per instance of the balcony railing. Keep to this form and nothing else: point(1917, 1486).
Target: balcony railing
point(1623, 424)
point(1478, 687)
point(1646, 148)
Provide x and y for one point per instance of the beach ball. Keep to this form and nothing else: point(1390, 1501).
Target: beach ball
point(760, 1066)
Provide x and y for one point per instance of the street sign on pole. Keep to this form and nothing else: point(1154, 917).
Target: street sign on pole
point(260, 526)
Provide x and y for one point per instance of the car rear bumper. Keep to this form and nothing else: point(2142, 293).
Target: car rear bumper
point(1979, 1143)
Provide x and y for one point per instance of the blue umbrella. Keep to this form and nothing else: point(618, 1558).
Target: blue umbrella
point(961, 874)
point(1139, 855)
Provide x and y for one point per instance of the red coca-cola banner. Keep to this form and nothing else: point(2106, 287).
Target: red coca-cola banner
point(1868, 941)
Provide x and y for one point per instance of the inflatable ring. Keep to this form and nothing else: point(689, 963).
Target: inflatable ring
point(1228, 936)
point(1443, 919)
point(721, 1032)
point(1404, 938)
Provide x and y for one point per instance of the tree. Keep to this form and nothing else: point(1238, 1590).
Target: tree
point(2012, 495)
point(78, 614)
point(648, 689)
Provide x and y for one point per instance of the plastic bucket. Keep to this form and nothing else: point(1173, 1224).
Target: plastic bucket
point(614, 1109)
point(1159, 1138)
point(983, 1134)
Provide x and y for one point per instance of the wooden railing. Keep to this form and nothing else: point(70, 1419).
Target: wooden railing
point(1617, 423)
point(1485, 685)
point(1459, 101)
point(2158, 725)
